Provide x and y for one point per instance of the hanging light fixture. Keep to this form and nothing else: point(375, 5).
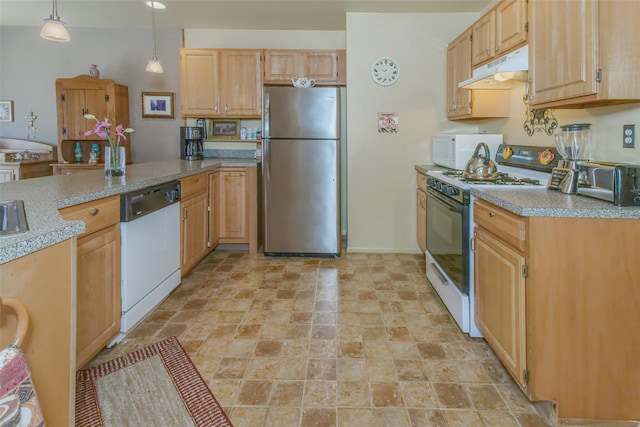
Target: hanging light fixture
point(154, 65)
point(54, 28)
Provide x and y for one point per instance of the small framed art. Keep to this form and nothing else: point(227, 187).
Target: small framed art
point(158, 105)
point(225, 129)
point(6, 111)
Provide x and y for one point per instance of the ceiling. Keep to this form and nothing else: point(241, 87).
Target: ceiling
point(319, 15)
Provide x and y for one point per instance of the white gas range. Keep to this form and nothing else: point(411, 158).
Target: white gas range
point(450, 224)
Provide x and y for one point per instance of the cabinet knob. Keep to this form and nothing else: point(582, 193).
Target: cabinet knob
point(497, 48)
point(94, 212)
point(488, 52)
point(492, 214)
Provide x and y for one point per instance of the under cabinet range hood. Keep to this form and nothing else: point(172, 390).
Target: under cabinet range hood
point(500, 73)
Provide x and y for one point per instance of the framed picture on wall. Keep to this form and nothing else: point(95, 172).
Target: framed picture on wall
point(6, 111)
point(225, 129)
point(158, 105)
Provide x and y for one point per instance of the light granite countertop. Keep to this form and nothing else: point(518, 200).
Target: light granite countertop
point(44, 196)
point(539, 201)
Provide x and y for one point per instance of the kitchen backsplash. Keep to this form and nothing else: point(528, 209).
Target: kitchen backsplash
point(606, 128)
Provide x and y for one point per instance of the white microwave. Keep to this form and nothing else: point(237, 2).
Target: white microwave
point(453, 150)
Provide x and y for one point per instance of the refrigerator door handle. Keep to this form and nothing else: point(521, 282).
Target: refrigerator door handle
point(266, 158)
point(266, 128)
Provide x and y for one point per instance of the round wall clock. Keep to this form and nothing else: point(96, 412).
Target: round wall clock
point(385, 71)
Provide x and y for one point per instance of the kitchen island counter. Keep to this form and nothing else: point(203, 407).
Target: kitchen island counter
point(541, 202)
point(44, 196)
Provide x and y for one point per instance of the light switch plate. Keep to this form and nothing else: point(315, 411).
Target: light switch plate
point(628, 136)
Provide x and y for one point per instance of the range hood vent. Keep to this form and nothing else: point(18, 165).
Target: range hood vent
point(500, 73)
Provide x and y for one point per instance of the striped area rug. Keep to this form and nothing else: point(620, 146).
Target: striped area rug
point(155, 386)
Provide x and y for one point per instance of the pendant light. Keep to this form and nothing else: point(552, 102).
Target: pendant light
point(154, 65)
point(54, 28)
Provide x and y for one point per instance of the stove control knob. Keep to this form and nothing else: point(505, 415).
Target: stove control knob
point(438, 186)
point(430, 182)
point(452, 191)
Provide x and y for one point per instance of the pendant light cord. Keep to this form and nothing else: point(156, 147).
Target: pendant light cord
point(54, 12)
point(153, 28)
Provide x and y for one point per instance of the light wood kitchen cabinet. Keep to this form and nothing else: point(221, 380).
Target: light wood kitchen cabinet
point(98, 275)
point(214, 209)
point(82, 95)
point(500, 302)
point(579, 53)
point(571, 308)
point(421, 211)
point(45, 282)
point(238, 206)
point(194, 235)
point(326, 67)
point(463, 104)
point(500, 30)
point(221, 82)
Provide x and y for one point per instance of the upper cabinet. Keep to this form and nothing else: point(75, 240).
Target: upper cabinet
point(580, 53)
point(500, 30)
point(326, 67)
point(82, 95)
point(221, 82)
point(463, 104)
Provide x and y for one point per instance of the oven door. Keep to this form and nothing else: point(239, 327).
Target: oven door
point(448, 237)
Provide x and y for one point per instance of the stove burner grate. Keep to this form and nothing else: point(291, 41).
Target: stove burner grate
point(502, 179)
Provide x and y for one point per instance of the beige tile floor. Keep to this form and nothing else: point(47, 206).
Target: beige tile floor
point(357, 341)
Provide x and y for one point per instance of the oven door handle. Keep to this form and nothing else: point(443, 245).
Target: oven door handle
point(453, 206)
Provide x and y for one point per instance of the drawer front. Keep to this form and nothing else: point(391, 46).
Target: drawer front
point(193, 185)
point(421, 181)
point(509, 227)
point(96, 215)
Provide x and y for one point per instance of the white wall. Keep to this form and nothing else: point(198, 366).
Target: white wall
point(381, 174)
point(30, 65)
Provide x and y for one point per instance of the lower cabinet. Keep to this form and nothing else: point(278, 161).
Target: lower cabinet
point(421, 212)
point(214, 209)
point(238, 206)
point(98, 275)
point(500, 302)
point(24, 170)
point(194, 235)
point(98, 292)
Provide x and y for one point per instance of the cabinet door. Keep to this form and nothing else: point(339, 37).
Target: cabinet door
point(98, 292)
point(421, 219)
point(562, 49)
point(484, 36)
point(195, 234)
point(233, 206)
point(214, 209)
point(511, 21)
point(241, 83)
point(199, 86)
point(500, 301)
point(7, 174)
point(322, 66)
point(280, 66)
point(458, 70)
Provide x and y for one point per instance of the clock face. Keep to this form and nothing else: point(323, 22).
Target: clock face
point(385, 71)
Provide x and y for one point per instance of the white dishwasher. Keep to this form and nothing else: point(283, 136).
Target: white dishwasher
point(150, 251)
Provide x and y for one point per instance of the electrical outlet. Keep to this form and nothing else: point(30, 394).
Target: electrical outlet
point(628, 136)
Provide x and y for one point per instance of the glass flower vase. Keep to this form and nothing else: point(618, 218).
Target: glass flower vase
point(114, 162)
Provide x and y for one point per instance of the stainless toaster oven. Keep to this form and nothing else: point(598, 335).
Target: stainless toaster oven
point(618, 183)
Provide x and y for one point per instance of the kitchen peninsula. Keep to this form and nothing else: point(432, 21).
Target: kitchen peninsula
point(40, 266)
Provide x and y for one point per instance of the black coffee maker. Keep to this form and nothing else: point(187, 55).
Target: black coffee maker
point(191, 138)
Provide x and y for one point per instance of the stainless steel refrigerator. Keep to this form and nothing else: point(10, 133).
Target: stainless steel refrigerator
point(301, 171)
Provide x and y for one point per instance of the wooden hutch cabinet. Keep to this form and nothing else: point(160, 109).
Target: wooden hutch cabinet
point(82, 95)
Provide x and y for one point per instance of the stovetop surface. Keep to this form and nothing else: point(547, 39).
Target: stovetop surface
point(507, 176)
